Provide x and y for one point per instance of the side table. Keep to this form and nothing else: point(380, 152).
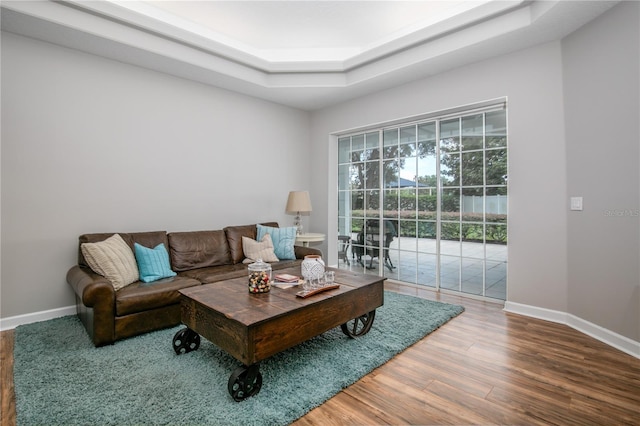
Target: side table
point(310, 237)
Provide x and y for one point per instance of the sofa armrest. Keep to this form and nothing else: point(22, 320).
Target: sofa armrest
point(91, 288)
point(95, 302)
point(301, 251)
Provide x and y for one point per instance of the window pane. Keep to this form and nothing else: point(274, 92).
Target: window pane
point(408, 141)
point(357, 225)
point(391, 227)
point(473, 240)
point(357, 203)
point(372, 235)
point(390, 203)
point(344, 197)
point(450, 135)
point(408, 203)
point(407, 234)
point(426, 171)
point(427, 236)
point(344, 147)
point(390, 170)
point(450, 231)
point(496, 251)
point(472, 204)
point(472, 171)
point(407, 267)
point(408, 172)
point(427, 203)
point(496, 233)
point(372, 178)
point(357, 243)
point(372, 202)
point(472, 132)
point(427, 133)
point(343, 176)
point(450, 272)
point(496, 204)
point(357, 148)
point(450, 204)
point(496, 280)
point(497, 167)
point(427, 269)
point(372, 144)
point(390, 142)
point(343, 226)
point(357, 176)
point(450, 170)
point(427, 160)
point(472, 276)
point(496, 128)
point(394, 274)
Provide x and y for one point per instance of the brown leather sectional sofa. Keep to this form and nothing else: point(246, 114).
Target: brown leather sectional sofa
point(198, 257)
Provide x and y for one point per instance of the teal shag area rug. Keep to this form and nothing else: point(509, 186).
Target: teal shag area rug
point(62, 379)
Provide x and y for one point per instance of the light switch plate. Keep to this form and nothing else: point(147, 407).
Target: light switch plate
point(576, 203)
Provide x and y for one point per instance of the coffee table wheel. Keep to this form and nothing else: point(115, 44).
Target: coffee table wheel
point(245, 382)
point(186, 340)
point(359, 326)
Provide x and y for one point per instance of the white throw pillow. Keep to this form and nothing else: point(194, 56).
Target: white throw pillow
point(113, 259)
point(254, 250)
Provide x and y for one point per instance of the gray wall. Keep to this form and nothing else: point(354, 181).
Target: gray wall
point(532, 81)
point(601, 72)
point(90, 145)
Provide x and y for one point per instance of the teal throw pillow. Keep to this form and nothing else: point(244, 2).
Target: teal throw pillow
point(283, 240)
point(153, 264)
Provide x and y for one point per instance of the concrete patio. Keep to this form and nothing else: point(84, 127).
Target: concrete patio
point(464, 265)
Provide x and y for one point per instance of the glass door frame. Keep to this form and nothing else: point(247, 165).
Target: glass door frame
point(437, 118)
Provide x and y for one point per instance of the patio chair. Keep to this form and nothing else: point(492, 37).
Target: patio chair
point(344, 242)
point(369, 243)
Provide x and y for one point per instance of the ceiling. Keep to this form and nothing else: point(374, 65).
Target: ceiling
point(305, 54)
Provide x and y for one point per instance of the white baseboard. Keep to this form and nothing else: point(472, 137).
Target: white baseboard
point(12, 322)
point(609, 337)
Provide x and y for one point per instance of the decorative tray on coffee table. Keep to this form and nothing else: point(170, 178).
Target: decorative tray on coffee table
point(308, 293)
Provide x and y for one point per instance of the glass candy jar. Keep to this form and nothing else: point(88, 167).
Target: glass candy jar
point(259, 277)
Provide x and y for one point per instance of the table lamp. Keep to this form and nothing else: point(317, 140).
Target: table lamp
point(298, 202)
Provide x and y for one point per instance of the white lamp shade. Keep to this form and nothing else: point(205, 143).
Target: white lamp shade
point(298, 202)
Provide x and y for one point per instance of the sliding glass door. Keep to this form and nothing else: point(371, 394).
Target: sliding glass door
point(426, 202)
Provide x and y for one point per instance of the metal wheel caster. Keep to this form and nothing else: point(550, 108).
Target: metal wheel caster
point(186, 340)
point(245, 382)
point(359, 326)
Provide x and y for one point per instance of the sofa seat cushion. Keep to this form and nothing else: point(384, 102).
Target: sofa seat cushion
point(198, 249)
point(228, 272)
point(139, 296)
point(216, 273)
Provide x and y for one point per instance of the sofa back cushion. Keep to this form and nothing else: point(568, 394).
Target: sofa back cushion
point(234, 238)
point(147, 239)
point(198, 249)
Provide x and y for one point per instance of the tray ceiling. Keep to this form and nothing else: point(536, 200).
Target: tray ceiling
point(305, 54)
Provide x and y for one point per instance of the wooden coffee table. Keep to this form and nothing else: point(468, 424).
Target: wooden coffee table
point(253, 327)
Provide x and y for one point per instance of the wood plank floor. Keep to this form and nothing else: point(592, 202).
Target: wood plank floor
point(483, 367)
